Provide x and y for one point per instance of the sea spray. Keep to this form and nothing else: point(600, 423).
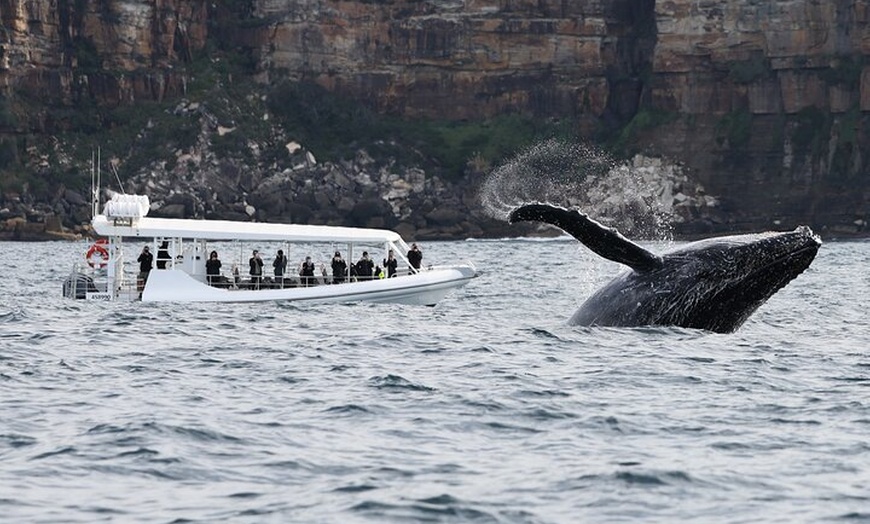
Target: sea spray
point(549, 171)
point(642, 198)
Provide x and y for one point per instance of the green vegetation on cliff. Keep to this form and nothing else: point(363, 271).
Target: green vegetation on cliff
point(335, 127)
point(735, 129)
point(221, 93)
point(623, 141)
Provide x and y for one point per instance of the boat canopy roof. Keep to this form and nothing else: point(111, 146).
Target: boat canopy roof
point(148, 227)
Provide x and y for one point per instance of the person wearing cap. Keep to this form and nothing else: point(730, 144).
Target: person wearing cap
point(339, 268)
point(256, 271)
point(306, 272)
point(415, 256)
point(365, 267)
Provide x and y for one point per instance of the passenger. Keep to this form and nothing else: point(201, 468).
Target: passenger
point(364, 267)
point(339, 269)
point(146, 262)
point(306, 272)
point(213, 269)
point(256, 270)
point(391, 264)
point(163, 255)
point(379, 273)
point(415, 256)
point(280, 265)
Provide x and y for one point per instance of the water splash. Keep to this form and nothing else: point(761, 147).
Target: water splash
point(636, 199)
point(548, 171)
point(641, 197)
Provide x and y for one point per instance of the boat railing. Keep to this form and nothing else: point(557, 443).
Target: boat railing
point(129, 283)
point(83, 280)
point(234, 281)
point(240, 281)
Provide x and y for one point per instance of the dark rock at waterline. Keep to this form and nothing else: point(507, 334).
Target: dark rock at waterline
point(359, 193)
point(369, 209)
point(446, 216)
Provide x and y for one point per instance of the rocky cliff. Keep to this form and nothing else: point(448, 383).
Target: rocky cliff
point(766, 103)
point(461, 59)
point(771, 103)
point(61, 52)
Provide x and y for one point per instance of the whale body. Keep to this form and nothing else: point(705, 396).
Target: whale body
point(713, 284)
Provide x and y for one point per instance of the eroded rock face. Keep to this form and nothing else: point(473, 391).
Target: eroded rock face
point(462, 59)
point(420, 58)
point(772, 100)
point(117, 51)
point(773, 57)
point(457, 59)
point(767, 102)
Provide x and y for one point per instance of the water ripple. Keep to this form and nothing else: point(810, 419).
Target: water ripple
point(487, 408)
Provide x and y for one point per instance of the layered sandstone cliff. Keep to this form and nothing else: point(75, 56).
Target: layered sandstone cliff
point(768, 102)
point(773, 100)
point(119, 51)
point(464, 59)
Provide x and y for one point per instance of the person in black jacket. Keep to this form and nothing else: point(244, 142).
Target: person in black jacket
point(256, 270)
point(306, 272)
point(391, 264)
point(163, 255)
point(213, 269)
point(415, 256)
point(280, 265)
point(146, 262)
point(365, 267)
point(339, 269)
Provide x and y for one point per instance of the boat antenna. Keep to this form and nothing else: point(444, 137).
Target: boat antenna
point(95, 182)
point(118, 178)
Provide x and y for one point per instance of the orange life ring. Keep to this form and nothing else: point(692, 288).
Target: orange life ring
point(98, 255)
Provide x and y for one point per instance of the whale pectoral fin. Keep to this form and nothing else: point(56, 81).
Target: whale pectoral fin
point(604, 241)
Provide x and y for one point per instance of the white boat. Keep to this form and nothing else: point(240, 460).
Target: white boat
point(183, 245)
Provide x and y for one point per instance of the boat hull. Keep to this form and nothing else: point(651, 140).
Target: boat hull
point(423, 289)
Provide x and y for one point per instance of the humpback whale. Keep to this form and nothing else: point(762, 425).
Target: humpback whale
point(713, 284)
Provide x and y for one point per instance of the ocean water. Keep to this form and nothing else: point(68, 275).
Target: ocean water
point(486, 408)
